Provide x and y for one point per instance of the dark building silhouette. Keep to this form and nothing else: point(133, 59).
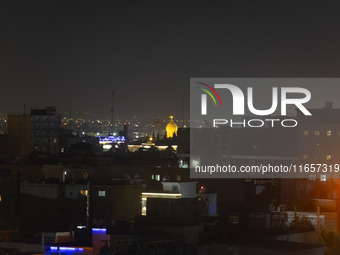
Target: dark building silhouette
point(319, 141)
point(34, 132)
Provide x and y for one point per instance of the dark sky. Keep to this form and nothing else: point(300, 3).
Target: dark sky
point(146, 51)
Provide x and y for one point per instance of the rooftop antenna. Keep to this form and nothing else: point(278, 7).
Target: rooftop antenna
point(183, 108)
point(112, 112)
point(70, 108)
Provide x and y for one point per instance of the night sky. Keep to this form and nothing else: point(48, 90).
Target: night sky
point(146, 51)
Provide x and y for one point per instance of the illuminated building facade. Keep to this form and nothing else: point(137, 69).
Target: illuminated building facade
point(171, 128)
point(99, 236)
point(180, 190)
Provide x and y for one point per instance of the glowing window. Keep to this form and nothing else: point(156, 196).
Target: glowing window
point(323, 177)
point(305, 132)
point(329, 133)
point(305, 156)
point(328, 157)
point(316, 132)
point(158, 177)
point(84, 192)
point(144, 199)
point(101, 193)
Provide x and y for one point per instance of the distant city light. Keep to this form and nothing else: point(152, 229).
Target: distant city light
point(107, 146)
point(84, 192)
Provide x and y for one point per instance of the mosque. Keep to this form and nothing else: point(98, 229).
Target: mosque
point(171, 128)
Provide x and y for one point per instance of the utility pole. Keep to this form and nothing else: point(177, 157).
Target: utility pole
point(112, 112)
point(183, 108)
point(70, 108)
point(88, 206)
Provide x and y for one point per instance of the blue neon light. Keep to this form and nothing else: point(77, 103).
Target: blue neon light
point(99, 230)
point(112, 139)
point(61, 249)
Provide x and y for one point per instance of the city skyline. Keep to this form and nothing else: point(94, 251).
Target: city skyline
point(169, 127)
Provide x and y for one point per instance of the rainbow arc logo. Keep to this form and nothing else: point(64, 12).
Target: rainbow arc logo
point(209, 90)
point(209, 93)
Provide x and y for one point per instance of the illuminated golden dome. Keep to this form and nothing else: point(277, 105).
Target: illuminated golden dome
point(171, 128)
